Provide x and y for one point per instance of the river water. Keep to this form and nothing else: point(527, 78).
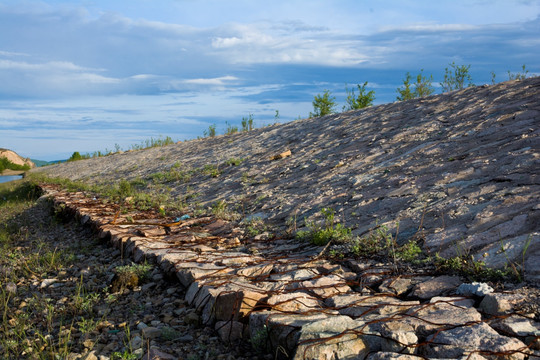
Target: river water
point(9, 178)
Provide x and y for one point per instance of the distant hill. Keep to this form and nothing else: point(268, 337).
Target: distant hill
point(41, 162)
point(13, 161)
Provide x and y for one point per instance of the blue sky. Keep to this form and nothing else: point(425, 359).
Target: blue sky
point(86, 75)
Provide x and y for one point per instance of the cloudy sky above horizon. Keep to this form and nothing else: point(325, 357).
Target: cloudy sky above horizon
point(87, 75)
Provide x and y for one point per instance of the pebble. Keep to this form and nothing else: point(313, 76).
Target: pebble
point(136, 342)
point(47, 282)
point(185, 339)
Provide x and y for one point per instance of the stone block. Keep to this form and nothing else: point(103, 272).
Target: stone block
point(360, 306)
point(229, 331)
point(392, 356)
point(282, 329)
point(500, 303)
point(396, 286)
point(255, 270)
point(331, 338)
point(515, 326)
point(231, 301)
point(187, 272)
point(429, 318)
point(435, 287)
point(294, 302)
point(398, 337)
point(461, 341)
point(457, 301)
point(326, 286)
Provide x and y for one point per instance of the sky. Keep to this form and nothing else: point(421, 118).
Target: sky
point(97, 75)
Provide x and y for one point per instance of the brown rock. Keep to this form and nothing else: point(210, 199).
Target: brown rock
point(435, 287)
point(281, 155)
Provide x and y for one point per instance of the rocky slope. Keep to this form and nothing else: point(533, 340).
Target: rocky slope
point(277, 297)
point(459, 171)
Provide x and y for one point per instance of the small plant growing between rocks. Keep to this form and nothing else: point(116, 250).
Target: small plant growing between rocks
point(211, 170)
point(255, 226)
point(519, 75)
point(230, 129)
point(234, 161)
point(329, 230)
point(211, 132)
point(221, 210)
point(260, 340)
point(247, 123)
point(129, 276)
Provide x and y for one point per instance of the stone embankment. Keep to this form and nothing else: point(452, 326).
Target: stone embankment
point(281, 297)
point(458, 172)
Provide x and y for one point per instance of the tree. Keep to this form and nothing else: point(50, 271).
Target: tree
point(455, 79)
point(75, 156)
point(323, 104)
point(422, 87)
point(405, 93)
point(363, 100)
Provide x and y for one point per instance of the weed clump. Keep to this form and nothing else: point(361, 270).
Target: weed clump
point(329, 230)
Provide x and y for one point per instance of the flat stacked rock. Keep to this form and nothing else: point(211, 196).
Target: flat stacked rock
point(281, 297)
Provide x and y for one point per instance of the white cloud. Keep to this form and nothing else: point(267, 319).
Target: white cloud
point(219, 81)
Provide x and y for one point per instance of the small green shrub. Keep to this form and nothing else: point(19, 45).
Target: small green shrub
point(260, 341)
point(211, 132)
point(153, 142)
point(234, 161)
point(211, 170)
point(321, 234)
point(421, 88)
point(363, 100)
point(323, 105)
point(142, 270)
point(455, 78)
point(221, 210)
point(409, 252)
point(276, 117)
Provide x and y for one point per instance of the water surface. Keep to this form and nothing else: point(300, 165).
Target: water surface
point(7, 178)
